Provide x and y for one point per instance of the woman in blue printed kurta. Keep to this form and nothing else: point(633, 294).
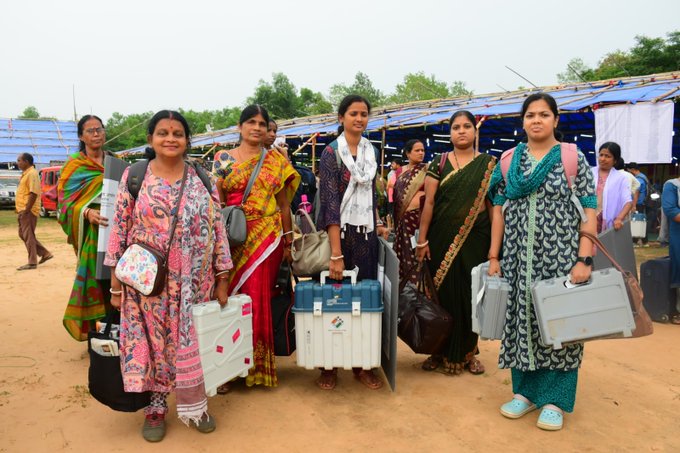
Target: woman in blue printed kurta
point(539, 232)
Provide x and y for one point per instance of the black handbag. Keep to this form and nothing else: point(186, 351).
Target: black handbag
point(424, 324)
point(105, 380)
point(283, 318)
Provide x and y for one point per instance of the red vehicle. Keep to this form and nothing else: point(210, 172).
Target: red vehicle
point(48, 185)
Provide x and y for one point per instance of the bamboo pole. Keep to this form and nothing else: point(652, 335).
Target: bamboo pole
point(301, 147)
point(479, 126)
point(314, 153)
point(382, 142)
point(212, 148)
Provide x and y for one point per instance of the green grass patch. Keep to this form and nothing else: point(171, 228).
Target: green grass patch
point(9, 218)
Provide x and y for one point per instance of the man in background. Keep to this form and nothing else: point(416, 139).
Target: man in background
point(27, 204)
point(641, 205)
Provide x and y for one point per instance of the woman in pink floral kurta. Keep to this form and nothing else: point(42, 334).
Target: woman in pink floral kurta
point(158, 343)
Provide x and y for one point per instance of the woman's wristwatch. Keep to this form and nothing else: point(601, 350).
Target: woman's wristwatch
point(587, 260)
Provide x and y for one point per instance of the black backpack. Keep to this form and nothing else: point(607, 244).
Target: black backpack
point(307, 186)
point(138, 170)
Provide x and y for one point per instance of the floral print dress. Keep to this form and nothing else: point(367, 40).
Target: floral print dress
point(158, 343)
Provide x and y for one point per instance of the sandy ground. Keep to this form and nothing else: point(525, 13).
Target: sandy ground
point(628, 395)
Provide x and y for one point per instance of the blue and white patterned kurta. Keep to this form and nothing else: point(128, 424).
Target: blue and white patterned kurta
point(540, 242)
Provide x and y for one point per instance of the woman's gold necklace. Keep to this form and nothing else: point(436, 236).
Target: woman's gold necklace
point(456, 158)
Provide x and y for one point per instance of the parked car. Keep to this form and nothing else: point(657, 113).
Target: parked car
point(49, 176)
point(9, 181)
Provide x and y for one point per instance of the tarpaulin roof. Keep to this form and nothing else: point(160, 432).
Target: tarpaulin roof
point(500, 111)
point(46, 140)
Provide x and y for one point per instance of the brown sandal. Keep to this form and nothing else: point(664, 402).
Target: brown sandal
point(369, 379)
point(432, 363)
point(223, 389)
point(328, 379)
point(474, 366)
point(451, 368)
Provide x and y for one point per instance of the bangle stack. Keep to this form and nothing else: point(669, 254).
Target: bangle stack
point(336, 258)
point(424, 244)
point(223, 275)
point(116, 292)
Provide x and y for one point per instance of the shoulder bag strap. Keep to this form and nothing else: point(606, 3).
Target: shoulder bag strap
point(176, 214)
point(253, 176)
point(443, 157)
point(603, 249)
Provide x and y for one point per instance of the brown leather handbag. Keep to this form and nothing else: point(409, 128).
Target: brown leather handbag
point(424, 324)
point(643, 323)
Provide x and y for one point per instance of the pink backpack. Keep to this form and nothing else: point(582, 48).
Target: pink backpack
point(569, 155)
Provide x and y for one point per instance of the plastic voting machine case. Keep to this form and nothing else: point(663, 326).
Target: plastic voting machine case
point(569, 313)
point(338, 325)
point(489, 303)
point(225, 340)
point(638, 225)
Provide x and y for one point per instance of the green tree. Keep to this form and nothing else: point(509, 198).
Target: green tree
point(30, 113)
point(419, 87)
point(577, 71)
point(126, 131)
point(647, 56)
point(362, 86)
point(313, 103)
point(282, 100)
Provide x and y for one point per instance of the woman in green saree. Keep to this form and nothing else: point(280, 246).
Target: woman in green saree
point(78, 194)
point(455, 233)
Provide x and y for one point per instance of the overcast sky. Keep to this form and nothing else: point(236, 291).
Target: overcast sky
point(136, 56)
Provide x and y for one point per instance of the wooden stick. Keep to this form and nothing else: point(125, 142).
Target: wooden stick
point(382, 146)
point(313, 153)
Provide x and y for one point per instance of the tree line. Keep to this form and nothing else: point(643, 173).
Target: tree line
point(647, 56)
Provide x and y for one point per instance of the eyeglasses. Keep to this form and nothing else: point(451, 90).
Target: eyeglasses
point(95, 130)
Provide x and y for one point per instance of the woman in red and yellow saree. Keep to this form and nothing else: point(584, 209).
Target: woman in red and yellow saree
point(409, 196)
point(78, 196)
point(455, 234)
point(267, 209)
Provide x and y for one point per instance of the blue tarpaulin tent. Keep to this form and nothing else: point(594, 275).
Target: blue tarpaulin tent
point(47, 140)
point(499, 115)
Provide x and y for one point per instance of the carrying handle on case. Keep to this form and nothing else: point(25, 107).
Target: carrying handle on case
point(351, 274)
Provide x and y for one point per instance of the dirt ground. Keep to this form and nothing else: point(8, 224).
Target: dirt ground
point(628, 395)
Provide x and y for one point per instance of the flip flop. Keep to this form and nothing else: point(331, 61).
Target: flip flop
point(517, 407)
point(675, 319)
point(45, 258)
point(550, 419)
point(26, 267)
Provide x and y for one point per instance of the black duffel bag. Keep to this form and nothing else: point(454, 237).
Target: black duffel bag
point(105, 379)
point(424, 324)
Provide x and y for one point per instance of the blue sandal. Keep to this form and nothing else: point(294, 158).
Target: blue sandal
point(518, 407)
point(550, 418)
